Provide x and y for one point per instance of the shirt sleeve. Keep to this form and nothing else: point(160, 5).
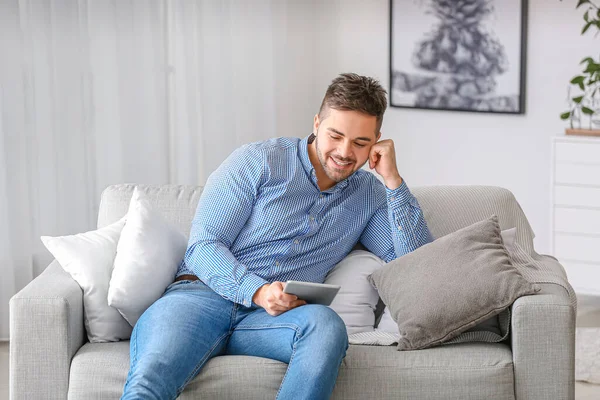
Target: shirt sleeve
point(224, 207)
point(397, 227)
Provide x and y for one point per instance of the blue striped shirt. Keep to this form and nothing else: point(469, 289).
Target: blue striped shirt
point(262, 218)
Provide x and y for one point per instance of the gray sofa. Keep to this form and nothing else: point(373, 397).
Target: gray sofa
point(50, 357)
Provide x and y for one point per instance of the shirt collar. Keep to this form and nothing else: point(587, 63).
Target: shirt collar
point(303, 152)
point(310, 169)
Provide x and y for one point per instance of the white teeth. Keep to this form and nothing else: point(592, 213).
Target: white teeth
point(340, 163)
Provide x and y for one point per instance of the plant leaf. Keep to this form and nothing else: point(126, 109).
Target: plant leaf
point(586, 110)
point(586, 17)
point(577, 79)
point(578, 99)
point(582, 2)
point(565, 115)
point(586, 27)
point(592, 67)
point(587, 60)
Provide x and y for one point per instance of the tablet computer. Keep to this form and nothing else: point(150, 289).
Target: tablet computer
point(312, 293)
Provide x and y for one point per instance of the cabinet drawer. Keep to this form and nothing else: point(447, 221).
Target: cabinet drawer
point(577, 220)
point(585, 278)
point(577, 196)
point(578, 152)
point(577, 174)
point(577, 248)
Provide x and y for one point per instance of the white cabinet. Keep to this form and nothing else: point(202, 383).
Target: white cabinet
point(575, 218)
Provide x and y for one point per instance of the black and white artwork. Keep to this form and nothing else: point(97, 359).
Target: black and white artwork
point(465, 55)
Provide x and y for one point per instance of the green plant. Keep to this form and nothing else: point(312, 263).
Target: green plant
point(586, 101)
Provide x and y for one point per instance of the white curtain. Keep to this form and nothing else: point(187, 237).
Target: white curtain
point(94, 93)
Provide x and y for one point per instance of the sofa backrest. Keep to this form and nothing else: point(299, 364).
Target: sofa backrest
point(177, 203)
point(450, 208)
point(446, 208)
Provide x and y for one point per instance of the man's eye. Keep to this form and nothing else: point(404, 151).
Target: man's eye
point(334, 137)
point(360, 145)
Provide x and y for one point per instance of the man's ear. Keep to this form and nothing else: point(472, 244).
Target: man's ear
point(316, 124)
point(378, 136)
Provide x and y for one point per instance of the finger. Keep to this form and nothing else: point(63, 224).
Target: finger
point(278, 292)
point(284, 297)
point(274, 313)
point(280, 296)
point(298, 303)
point(374, 159)
point(277, 287)
point(274, 299)
point(288, 298)
point(287, 304)
point(277, 308)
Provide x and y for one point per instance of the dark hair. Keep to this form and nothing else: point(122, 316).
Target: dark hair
point(352, 92)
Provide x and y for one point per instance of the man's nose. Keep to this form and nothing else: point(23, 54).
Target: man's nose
point(345, 150)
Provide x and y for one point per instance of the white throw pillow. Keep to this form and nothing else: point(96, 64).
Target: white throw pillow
point(148, 255)
point(356, 301)
point(387, 324)
point(88, 258)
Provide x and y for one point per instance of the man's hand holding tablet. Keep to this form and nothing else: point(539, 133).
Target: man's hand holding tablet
point(277, 299)
point(274, 301)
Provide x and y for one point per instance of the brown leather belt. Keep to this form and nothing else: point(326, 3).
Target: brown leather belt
point(187, 277)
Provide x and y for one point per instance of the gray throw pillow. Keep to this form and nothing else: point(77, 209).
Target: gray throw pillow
point(448, 286)
point(387, 324)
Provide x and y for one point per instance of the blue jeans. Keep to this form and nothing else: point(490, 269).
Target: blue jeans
point(191, 323)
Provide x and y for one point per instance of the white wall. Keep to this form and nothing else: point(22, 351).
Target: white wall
point(94, 93)
point(442, 147)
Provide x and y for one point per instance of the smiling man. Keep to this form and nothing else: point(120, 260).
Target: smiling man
point(283, 209)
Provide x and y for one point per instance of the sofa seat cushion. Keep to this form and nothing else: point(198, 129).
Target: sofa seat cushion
point(469, 370)
point(456, 371)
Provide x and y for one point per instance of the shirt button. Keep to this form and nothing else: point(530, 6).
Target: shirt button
point(400, 227)
point(320, 196)
point(392, 198)
point(296, 241)
point(312, 218)
point(277, 263)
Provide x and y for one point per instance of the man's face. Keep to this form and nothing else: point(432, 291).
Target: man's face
point(343, 142)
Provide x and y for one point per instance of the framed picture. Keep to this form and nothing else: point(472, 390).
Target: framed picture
point(459, 55)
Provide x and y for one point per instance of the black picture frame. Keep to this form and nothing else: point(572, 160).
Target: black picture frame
point(456, 62)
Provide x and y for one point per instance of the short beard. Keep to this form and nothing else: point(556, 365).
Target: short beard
point(336, 177)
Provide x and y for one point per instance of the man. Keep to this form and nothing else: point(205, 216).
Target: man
point(278, 210)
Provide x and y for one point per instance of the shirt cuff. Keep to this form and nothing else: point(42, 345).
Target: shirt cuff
point(399, 196)
point(248, 288)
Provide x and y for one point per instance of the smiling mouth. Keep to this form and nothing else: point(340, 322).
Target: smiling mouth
point(340, 164)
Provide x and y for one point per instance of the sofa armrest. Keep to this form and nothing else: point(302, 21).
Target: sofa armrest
point(543, 345)
point(46, 330)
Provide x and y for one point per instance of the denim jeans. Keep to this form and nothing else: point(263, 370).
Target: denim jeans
point(191, 323)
